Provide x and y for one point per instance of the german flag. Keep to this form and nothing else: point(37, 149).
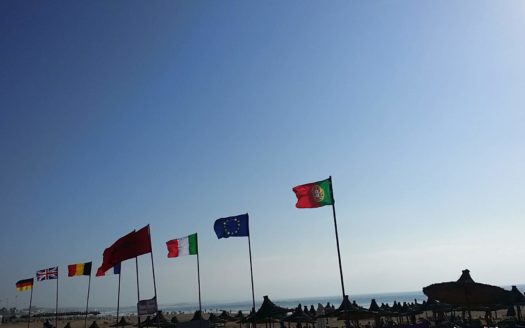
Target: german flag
point(80, 269)
point(25, 284)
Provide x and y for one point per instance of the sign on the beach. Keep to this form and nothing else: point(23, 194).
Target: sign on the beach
point(147, 306)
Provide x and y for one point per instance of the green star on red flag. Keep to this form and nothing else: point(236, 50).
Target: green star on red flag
point(315, 194)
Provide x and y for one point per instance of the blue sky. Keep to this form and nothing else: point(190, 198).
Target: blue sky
point(114, 115)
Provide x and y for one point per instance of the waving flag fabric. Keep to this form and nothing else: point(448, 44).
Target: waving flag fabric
point(183, 246)
point(47, 274)
point(131, 245)
point(25, 284)
point(80, 269)
point(315, 194)
point(233, 226)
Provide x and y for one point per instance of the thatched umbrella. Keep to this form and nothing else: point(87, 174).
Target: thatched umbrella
point(350, 312)
point(215, 319)
point(94, 325)
point(467, 293)
point(146, 323)
point(517, 299)
point(197, 316)
point(162, 321)
point(267, 313)
point(299, 316)
point(121, 323)
point(226, 316)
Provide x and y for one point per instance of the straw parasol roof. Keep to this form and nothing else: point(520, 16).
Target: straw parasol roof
point(299, 315)
point(466, 292)
point(146, 323)
point(226, 316)
point(121, 323)
point(94, 325)
point(197, 316)
point(267, 312)
point(215, 319)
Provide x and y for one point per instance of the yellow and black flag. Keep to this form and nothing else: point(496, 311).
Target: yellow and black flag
point(80, 269)
point(25, 284)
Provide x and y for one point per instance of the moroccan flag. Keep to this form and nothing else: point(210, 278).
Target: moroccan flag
point(314, 194)
point(233, 226)
point(183, 246)
point(133, 244)
point(80, 269)
point(23, 285)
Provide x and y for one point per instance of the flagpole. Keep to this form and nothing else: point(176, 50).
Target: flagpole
point(118, 293)
point(87, 300)
point(251, 269)
point(56, 305)
point(138, 290)
point(337, 239)
point(153, 270)
point(30, 302)
point(199, 282)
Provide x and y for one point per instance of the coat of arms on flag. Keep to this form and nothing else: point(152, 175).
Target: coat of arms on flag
point(47, 274)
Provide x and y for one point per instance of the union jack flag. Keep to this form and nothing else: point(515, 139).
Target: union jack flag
point(46, 274)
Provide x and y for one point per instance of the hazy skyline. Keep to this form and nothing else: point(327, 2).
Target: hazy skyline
point(114, 115)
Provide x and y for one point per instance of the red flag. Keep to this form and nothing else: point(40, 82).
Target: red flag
point(131, 245)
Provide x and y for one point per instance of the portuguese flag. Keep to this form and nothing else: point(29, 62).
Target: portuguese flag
point(183, 246)
point(80, 269)
point(25, 284)
point(315, 194)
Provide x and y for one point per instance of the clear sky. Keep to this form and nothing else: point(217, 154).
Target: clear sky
point(118, 114)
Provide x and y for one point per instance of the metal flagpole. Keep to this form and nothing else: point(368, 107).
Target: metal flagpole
point(251, 269)
point(30, 302)
point(199, 282)
point(138, 290)
point(153, 270)
point(251, 274)
point(56, 305)
point(337, 238)
point(87, 300)
point(118, 293)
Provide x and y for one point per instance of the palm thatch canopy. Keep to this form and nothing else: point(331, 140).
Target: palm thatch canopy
point(299, 315)
point(516, 297)
point(467, 293)
point(94, 325)
point(239, 316)
point(197, 316)
point(122, 323)
point(267, 312)
point(226, 316)
point(215, 319)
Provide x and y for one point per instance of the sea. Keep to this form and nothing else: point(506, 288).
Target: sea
point(245, 306)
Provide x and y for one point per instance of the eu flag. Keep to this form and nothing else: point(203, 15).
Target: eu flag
point(233, 226)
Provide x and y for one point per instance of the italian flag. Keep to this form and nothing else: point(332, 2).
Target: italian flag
point(183, 246)
point(315, 194)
